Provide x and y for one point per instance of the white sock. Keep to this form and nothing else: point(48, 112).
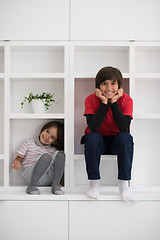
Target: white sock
point(124, 190)
point(93, 191)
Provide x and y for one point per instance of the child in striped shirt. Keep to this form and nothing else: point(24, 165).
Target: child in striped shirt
point(43, 159)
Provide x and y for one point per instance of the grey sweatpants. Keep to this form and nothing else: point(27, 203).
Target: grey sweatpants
point(47, 177)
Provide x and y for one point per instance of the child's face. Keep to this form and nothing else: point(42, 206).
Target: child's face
point(48, 136)
point(109, 88)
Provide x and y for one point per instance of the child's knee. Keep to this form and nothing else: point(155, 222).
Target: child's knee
point(58, 156)
point(125, 137)
point(45, 157)
point(61, 155)
point(93, 138)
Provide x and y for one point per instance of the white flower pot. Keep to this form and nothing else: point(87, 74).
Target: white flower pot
point(38, 106)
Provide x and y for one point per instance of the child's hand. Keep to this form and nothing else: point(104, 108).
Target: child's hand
point(16, 165)
point(101, 96)
point(117, 96)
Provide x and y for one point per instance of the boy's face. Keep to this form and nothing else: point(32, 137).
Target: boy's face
point(48, 136)
point(109, 88)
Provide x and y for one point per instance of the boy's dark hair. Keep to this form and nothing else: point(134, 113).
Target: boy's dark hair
point(108, 73)
point(59, 144)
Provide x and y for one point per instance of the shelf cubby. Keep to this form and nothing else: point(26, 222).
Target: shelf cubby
point(147, 97)
point(147, 152)
point(90, 59)
point(108, 169)
point(20, 130)
point(22, 87)
point(37, 59)
point(147, 59)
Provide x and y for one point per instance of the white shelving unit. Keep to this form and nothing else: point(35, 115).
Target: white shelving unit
point(67, 69)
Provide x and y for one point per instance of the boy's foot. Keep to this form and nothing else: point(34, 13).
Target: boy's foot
point(93, 191)
point(125, 191)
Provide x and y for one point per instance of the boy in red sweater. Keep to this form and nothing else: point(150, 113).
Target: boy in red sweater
point(108, 113)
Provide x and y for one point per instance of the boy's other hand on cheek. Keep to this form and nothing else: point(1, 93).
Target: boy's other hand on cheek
point(101, 96)
point(117, 96)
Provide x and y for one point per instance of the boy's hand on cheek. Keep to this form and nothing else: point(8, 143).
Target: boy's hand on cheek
point(101, 96)
point(117, 96)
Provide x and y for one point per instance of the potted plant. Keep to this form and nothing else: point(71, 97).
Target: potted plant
point(40, 102)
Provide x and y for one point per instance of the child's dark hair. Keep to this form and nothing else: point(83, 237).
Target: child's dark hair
point(108, 73)
point(59, 144)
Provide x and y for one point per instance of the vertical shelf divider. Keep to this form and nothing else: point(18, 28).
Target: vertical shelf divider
point(6, 113)
point(72, 84)
point(132, 94)
point(66, 115)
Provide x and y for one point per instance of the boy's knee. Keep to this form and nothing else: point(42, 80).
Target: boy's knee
point(125, 137)
point(93, 138)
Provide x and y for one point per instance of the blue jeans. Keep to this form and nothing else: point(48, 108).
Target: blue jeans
point(120, 145)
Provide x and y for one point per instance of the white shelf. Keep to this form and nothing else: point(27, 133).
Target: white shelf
point(42, 43)
point(146, 116)
point(146, 188)
point(144, 44)
point(112, 44)
point(36, 75)
point(88, 75)
point(147, 76)
point(36, 116)
point(75, 196)
point(103, 157)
